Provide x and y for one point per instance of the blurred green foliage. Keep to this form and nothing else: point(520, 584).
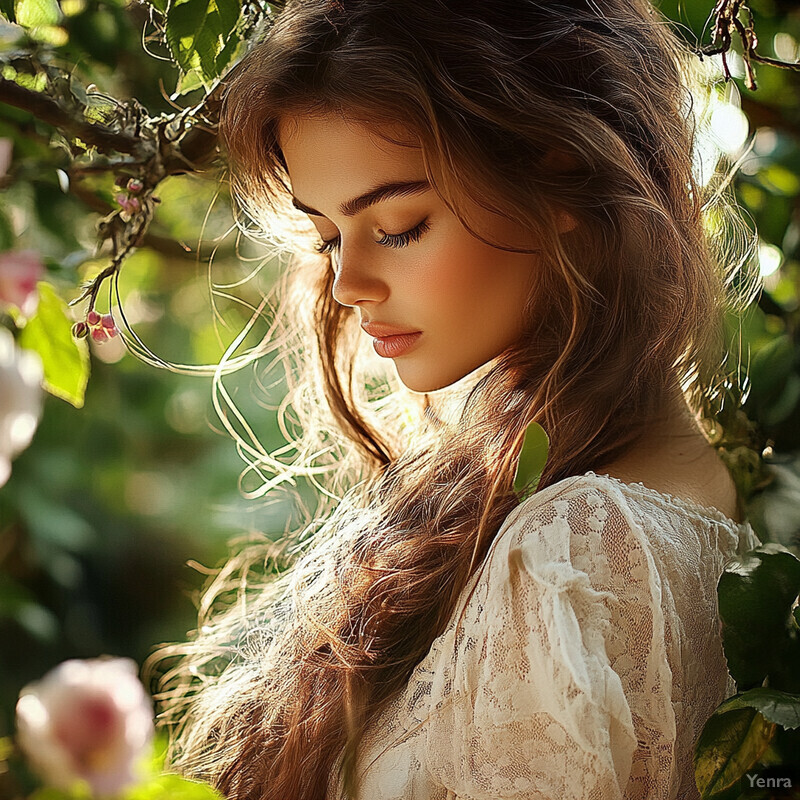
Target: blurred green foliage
point(107, 507)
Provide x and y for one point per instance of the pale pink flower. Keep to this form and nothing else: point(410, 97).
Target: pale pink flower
point(21, 375)
point(87, 721)
point(19, 272)
point(130, 206)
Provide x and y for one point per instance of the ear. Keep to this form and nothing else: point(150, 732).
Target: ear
point(565, 221)
point(558, 160)
point(561, 161)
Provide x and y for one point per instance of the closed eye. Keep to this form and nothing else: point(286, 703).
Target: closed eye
point(388, 240)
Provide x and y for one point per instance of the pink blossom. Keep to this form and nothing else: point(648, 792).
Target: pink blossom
point(130, 205)
point(101, 327)
point(19, 272)
point(21, 375)
point(87, 721)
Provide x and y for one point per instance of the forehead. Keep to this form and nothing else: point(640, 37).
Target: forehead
point(321, 149)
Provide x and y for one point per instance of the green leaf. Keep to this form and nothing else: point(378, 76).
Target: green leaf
point(172, 787)
point(756, 594)
point(189, 81)
point(781, 708)
point(65, 359)
point(229, 51)
point(532, 458)
point(229, 11)
point(731, 743)
point(35, 13)
point(198, 32)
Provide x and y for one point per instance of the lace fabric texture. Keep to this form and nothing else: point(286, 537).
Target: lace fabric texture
point(587, 661)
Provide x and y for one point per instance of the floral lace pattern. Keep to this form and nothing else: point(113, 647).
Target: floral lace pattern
point(587, 661)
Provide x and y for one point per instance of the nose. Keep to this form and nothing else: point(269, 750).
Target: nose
point(356, 279)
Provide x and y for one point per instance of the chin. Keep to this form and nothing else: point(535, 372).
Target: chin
point(424, 384)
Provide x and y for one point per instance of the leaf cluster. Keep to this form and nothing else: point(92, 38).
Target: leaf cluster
point(756, 732)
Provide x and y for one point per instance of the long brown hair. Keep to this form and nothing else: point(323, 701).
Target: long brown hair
point(272, 694)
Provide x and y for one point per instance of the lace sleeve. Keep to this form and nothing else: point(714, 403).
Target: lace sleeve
point(558, 685)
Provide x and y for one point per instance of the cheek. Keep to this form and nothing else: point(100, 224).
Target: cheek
point(443, 279)
point(459, 273)
point(460, 277)
point(483, 281)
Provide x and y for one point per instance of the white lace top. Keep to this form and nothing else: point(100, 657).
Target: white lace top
point(587, 662)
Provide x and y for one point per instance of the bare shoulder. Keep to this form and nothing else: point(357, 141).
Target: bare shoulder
point(699, 476)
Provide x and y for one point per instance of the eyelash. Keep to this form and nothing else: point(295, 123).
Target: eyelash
point(389, 239)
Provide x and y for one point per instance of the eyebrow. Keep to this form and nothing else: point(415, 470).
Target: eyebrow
point(384, 191)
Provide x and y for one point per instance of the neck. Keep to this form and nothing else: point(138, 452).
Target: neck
point(678, 426)
point(675, 456)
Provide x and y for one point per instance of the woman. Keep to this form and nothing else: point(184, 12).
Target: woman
point(502, 196)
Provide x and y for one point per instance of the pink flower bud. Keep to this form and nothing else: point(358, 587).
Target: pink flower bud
point(80, 330)
point(87, 721)
point(93, 318)
point(107, 321)
point(135, 186)
point(19, 272)
point(130, 205)
point(99, 334)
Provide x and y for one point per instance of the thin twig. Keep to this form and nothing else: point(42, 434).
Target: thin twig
point(52, 112)
point(728, 22)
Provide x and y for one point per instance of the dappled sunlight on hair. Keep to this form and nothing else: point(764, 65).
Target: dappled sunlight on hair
point(272, 694)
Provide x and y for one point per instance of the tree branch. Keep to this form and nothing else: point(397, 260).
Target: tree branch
point(50, 111)
point(161, 244)
point(727, 22)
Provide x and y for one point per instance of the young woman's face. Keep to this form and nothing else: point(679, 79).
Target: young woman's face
point(406, 261)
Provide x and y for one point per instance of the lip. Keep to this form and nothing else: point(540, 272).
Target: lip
point(380, 331)
point(394, 346)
